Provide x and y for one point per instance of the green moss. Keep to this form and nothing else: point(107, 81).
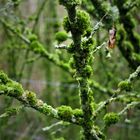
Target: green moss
point(87, 71)
point(14, 89)
point(61, 36)
point(66, 24)
point(65, 112)
point(81, 25)
point(31, 97)
point(111, 118)
point(78, 112)
point(70, 3)
point(65, 66)
point(3, 88)
point(32, 37)
point(83, 21)
point(10, 87)
point(88, 44)
point(3, 78)
point(88, 32)
point(37, 47)
point(45, 108)
point(125, 85)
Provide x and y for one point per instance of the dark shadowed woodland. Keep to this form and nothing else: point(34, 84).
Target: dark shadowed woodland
point(69, 69)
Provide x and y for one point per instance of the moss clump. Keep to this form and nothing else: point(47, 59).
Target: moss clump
point(45, 108)
point(83, 21)
point(9, 87)
point(66, 24)
point(125, 85)
point(111, 118)
point(31, 97)
point(37, 47)
point(78, 112)
point(3, 78)
point(32, 37)
point(65, 112)
point(81, 25)
point(70, 3)
point(61, 36)
point(14, 89)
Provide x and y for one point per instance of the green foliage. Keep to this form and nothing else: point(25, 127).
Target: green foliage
point(111, 118)
point(61, 36)
point(125, 85)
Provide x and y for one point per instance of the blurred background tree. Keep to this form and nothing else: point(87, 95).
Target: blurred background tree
point(43, 20)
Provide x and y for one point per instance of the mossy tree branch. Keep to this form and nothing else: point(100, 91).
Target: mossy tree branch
point(13, 89)
point(78, 22)
point(125, 85)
